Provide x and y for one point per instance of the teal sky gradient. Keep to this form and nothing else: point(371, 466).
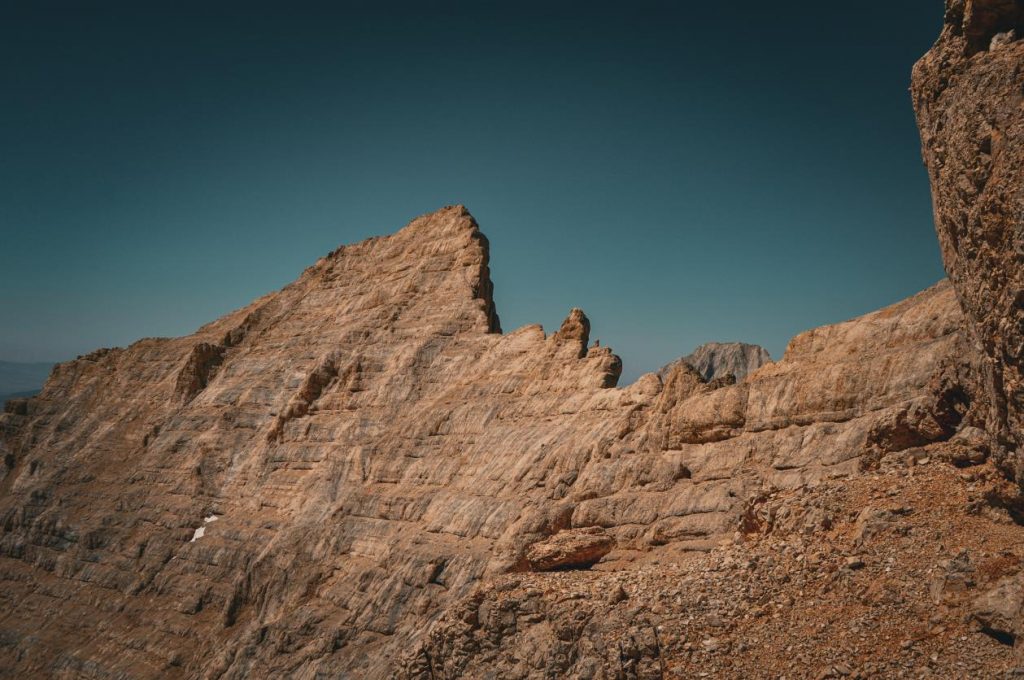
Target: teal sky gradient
point(734, 171)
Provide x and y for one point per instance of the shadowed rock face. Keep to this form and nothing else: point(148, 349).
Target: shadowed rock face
point(719, 359)
point(968, 91)
point(374, 449)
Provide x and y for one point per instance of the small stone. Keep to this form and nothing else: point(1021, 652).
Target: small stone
point(711, 644)
point(618, 594)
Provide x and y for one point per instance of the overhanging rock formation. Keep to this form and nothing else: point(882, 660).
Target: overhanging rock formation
point(968, 92)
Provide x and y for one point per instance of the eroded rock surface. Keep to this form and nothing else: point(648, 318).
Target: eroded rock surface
point(570, 549)
point(374, 449)
point(968, 92)
point(932, 590)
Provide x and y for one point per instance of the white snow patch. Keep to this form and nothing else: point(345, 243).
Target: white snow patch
point(201, 531)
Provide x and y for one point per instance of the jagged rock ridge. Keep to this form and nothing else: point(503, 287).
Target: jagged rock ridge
point(373, 449)
point(967, 94)
point(401, 489)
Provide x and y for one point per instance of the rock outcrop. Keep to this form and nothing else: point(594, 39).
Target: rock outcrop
point(719, 359)
point(968, 91)
point(374, 449)
point(570, 549)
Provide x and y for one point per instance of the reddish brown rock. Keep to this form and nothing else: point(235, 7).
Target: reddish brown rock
point(570, 549)
point(1000, 610)
point(968, 92)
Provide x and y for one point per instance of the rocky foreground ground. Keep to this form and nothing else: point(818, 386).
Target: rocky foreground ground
point(904, 571)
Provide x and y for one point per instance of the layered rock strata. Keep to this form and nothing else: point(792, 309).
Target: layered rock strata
point(374, 448)
point(360, 475)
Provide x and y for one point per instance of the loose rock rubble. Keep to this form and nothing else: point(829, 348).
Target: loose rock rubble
point(890, 574)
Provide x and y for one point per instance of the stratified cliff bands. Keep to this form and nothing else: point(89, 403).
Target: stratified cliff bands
point(362, 476)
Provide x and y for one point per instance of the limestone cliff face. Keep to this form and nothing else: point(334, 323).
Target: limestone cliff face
point(364, 448)
point(968, 92)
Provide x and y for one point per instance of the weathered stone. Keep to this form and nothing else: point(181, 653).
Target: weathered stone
point(1000, 610)
point(570, 549)
point(379, 456)
point(968, 91)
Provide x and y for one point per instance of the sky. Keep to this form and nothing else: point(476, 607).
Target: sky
point(683, 172)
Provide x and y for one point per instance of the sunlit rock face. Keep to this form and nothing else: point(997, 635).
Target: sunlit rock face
point(968, 91)
point(306, 485)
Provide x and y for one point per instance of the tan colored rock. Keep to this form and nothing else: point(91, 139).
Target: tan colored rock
point(374, 447)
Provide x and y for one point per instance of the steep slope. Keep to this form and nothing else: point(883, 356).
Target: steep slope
point(372, 448)
point(361, 476)
point(872, 576)
point(968, 92)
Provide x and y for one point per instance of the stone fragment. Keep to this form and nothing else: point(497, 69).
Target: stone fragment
point(570, 549)
point(999, 611)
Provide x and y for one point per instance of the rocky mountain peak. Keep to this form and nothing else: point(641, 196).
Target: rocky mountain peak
point(718, 359)
point(360, 476)
point(373, 452)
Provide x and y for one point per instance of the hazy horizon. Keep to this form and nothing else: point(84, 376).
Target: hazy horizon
point(683, 175)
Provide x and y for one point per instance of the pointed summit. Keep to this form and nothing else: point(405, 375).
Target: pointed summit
point(575, 330)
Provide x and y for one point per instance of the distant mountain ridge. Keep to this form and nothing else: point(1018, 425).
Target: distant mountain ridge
point(718, 359)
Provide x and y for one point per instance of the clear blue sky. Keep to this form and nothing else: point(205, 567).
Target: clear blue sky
point(683, 172)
